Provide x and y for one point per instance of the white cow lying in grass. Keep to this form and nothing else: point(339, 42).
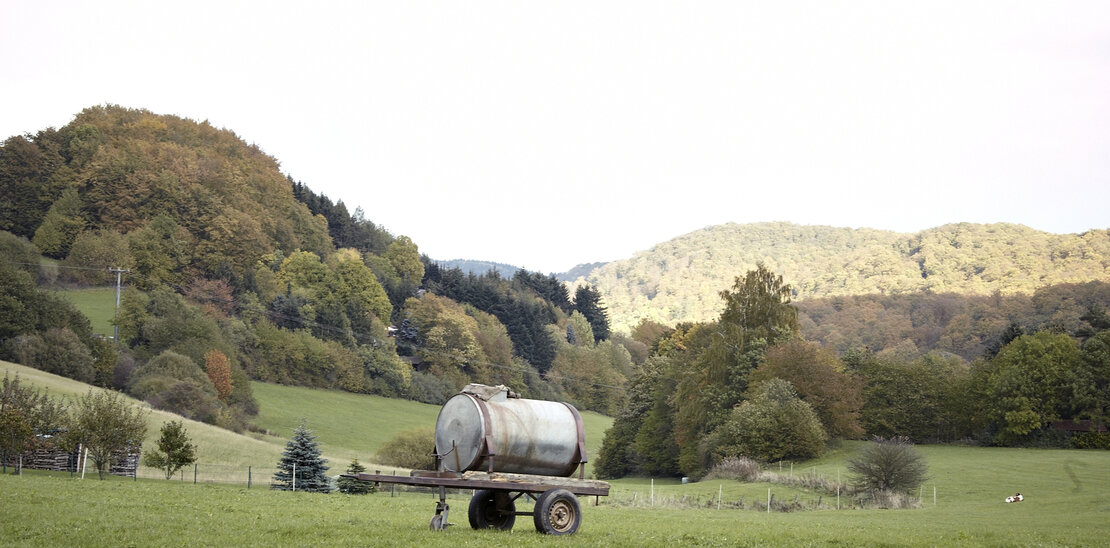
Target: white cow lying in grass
point(1015, 498)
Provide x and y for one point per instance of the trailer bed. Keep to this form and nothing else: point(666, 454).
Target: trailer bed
point(556, 512)
point(525, 483)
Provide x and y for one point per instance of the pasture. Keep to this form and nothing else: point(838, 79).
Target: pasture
point(98, 303)
point(1067, 495)
point(1066, 505)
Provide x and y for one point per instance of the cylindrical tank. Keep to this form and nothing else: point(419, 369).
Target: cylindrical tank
point(484, 429)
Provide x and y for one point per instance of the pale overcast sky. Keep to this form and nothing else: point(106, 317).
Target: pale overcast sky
point(546, 134)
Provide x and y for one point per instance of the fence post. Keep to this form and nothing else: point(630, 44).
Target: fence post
point(194, 473)
point(248, 477)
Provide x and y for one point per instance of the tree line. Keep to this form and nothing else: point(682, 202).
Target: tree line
point(749, 385)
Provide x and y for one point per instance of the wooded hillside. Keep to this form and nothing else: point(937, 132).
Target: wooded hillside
point(235, 270)
point(679, 280)
point(214, 203)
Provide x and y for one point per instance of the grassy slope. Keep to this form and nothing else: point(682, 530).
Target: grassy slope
point(354, 425)
point(216, 446)
point(97, 303)
point(346, 425)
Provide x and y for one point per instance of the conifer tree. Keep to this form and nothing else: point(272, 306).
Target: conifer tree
point(301, 467)
point(587, 300)
point(352, 486)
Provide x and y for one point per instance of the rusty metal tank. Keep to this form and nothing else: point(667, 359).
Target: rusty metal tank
point(491, 429)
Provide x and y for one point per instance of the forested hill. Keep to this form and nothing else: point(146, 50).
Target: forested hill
point(211, 203)
point(233, 270)
point(679, 280)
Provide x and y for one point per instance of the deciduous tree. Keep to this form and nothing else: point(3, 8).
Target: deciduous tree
point(25, 412)
point(174, 450)
point(1031, 383)
point(218, 368)
point(773, 425)
point(61, 225)
point(820, 381)
point(106, 424)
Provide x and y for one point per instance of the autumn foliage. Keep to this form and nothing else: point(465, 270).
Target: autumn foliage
point(218, 368)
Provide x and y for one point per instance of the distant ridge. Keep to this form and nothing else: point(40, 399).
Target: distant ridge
point(679, 280)
point(479, 267)
point(579, 271)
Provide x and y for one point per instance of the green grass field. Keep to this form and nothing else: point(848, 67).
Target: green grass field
point(1067, 495)
point(98, 303)
point(1066, 505)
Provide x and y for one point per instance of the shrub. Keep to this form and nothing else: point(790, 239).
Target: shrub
point(888, 465)
point(774, 425)
point(57, 351)
point(736, 468)
point(175, 382)
point(1092, 440)
point(428, 388)
point(410, 449)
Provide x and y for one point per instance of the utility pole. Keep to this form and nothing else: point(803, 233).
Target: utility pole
point(119, 278)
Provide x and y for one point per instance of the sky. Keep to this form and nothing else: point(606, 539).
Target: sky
point(549, 134)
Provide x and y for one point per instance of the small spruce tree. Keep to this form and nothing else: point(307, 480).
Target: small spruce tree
point(302, 455)
point(352, 486)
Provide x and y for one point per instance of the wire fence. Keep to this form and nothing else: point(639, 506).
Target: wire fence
point(249, 476)
point(253, 477)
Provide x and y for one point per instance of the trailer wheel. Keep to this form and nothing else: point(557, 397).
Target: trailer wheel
point(557, 512)
point(491, 510)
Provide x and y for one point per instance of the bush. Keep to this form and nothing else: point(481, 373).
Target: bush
point(57, 351)
point(774, 425)
point(1092, 440)
point(410, 449)
point(428, 388)
point(175, 382)
point(888, 465)
point(736, 468)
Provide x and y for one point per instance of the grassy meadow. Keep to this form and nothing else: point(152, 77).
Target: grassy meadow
point(98, 303)
point(1067, 495)
point(1066, 505)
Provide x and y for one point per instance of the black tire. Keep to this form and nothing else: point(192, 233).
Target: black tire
point(491, 510)
point(557, 513)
